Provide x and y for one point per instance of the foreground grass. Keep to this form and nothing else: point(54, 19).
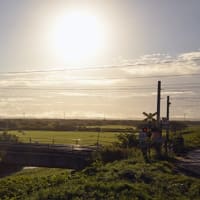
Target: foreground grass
point(66, 137)
point(125, 179)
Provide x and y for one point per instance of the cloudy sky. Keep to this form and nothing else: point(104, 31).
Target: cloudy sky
point(99, 58)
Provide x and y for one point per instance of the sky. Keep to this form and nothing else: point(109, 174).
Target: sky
point(98, 58)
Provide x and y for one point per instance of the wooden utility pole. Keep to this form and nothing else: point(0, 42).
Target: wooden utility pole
point(158, 103)
point(168, 104)
point(167, 126)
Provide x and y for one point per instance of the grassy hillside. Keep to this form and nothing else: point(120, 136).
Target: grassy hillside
point(126, 179)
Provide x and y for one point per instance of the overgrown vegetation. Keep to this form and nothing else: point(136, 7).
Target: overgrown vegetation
point(184, 136)
point(125, 179)
point(6, 137)
point(118, 172)
point(113, 153)
point(127, 140)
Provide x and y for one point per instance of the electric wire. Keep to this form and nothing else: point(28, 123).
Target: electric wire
point(97, 68)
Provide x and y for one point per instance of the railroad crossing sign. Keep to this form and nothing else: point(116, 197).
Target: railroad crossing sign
point(149, 116)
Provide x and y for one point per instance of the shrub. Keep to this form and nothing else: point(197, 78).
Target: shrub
point(178, 144)
point(127, 140)
point(6, 137)
point(110, 154)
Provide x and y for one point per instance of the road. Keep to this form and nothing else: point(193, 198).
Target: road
point(190, 164)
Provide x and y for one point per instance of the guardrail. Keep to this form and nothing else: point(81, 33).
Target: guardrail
point(45, 145)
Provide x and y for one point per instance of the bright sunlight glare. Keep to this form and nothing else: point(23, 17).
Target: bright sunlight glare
point(79, 36)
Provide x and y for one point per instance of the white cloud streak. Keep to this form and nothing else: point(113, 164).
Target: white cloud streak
point(82, 103)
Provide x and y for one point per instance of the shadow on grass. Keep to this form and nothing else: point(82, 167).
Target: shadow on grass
point(6, 169)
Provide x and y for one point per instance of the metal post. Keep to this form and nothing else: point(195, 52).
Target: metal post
point(167, 128)
point(168, 104)
point(158, 103)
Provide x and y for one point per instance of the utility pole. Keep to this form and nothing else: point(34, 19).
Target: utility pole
point(168, 104)
point(158, 103)
point(167, 128)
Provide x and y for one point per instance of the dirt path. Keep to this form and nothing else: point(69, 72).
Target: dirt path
point(190, 164)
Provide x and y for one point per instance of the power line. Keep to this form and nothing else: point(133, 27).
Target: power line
point(59, 96)
point(177, 84)
point(186, 87)
point(96, 68)
point(188, 105)
point(184, 98)
point(71, 69)
point(115, 78)
point(170, 86)
point(92, 79)
point(71, 89)
point(107, 88)
point(188, 84)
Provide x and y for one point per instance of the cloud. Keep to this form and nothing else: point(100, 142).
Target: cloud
point(15, 99)
point(139, 94)
point(190, 57)
point(178, 93)
point(163, 64)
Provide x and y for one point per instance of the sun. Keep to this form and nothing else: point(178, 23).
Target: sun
point(78, 36)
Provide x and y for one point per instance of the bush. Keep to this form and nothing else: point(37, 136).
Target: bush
point(127, 140)
point(178, 144)
point(6, 137)
point(111, 153)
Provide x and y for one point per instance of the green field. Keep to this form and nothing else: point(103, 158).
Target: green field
point(192, 139)
point(120, 126)
point(66, 137)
